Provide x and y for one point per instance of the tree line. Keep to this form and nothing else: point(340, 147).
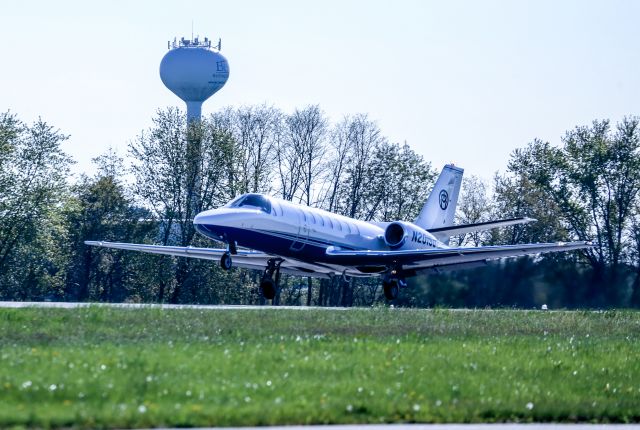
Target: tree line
point(586, 188)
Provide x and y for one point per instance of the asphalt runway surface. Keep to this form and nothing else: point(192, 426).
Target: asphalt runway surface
point(74, 305)
point(500, 426)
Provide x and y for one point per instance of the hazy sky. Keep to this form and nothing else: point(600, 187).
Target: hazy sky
point(461, 81)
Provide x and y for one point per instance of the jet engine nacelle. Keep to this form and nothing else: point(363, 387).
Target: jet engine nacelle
point(405, 235)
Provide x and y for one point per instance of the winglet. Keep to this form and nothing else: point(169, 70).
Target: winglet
point(444, 233)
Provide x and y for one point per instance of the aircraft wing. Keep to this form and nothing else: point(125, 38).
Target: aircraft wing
point(246, 259)
point(424, 259)
point(411, 260)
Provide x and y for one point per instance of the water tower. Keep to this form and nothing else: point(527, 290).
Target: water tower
point(194, 71)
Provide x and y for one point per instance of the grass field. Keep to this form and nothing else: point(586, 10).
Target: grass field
point(105, 367)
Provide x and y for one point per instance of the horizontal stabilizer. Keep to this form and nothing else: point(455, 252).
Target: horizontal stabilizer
point(455, 230)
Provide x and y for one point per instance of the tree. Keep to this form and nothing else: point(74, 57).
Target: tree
point(474, 206)
point(305, 131)
point(300, 153)
point(601, 171)
point(520, 192)
point(102, 209)
point(634, 255)
point(33, 172)
point(256, 130)
point(399, 183)
point(594, 179)
point(162, 157)
point(589, 186)
point(363, 137)
point(335, 166)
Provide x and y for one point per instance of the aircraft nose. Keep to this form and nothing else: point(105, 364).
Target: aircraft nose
point(218, 217)
point(199, 219)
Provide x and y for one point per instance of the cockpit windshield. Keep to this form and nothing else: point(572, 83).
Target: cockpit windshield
point(251, 200)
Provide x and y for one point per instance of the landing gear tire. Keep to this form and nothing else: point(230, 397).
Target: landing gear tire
point(268, 288)
point(391, 289)
point(225, 261)
point(270, 279)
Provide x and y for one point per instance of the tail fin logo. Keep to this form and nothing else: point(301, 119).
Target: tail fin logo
point(444, 199)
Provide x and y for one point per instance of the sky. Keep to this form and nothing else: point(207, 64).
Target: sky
point(460, 81)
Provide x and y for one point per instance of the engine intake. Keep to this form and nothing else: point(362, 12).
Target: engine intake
point(395, 235)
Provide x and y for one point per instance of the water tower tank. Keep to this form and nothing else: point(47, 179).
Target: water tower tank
point(194, 71)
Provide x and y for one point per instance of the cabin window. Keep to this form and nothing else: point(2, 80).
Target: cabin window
point(329, 222)
point(321, 220)
point(252, 200)
point(312, 217)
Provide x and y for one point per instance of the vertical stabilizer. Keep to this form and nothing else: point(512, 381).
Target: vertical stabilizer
point(440, 208)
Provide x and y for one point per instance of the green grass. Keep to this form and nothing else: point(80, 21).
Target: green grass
point(105, 367)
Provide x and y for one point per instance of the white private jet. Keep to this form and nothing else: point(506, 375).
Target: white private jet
point(274, 236)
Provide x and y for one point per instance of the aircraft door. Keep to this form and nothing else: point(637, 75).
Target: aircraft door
point(303, 231)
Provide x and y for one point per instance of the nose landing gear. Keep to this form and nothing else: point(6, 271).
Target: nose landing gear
point(225, 261)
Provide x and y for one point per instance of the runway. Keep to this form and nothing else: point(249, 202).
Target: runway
point(75, 305)
point(499, 426)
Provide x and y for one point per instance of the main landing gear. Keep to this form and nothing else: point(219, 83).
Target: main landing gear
point(391, 285)
point(225, 261)
point(269, 282)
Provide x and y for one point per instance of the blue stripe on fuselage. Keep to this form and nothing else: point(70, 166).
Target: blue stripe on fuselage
point(271, 242)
